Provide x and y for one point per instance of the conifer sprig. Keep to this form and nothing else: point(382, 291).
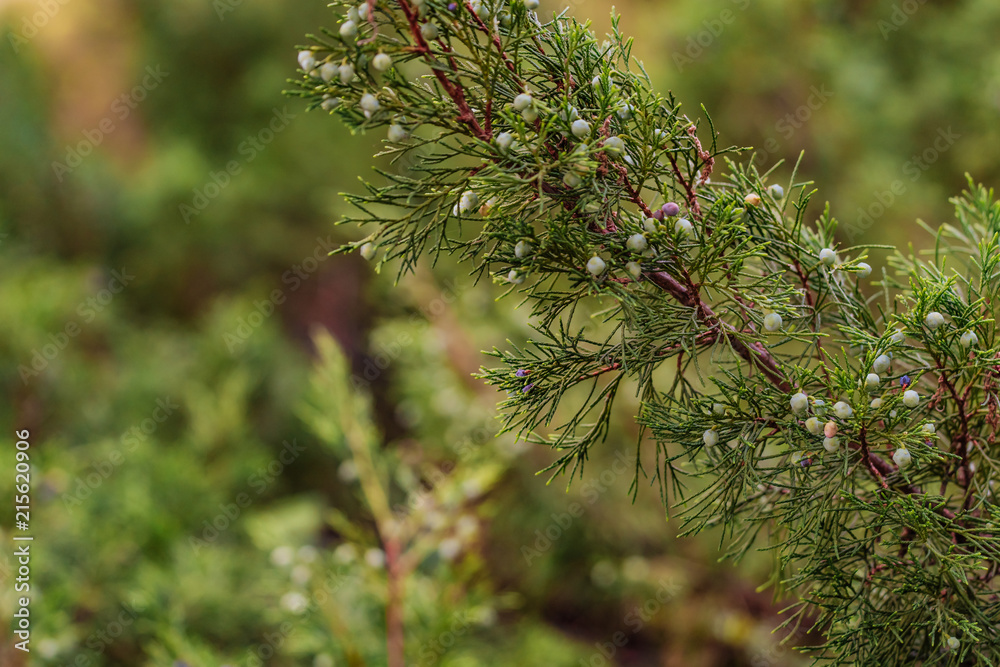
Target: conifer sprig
point(845, 422)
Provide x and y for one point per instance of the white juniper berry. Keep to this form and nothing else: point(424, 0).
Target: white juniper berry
point(468, 202)
point(346, 72)
point(523, 101)
point(382, 62)
point(637, 243)
point(505, 140)
point(307, 60)
point(799, 402)
point(843, 409)
point(430, 31)
point(838, 505)
point(596, 265)
point(581, 128)
point(684, 227)
point(902, 457)
point(934, 319)
point(397, 133)
point(881, 363)
point(348, 29)
point(614, 145)
point(328, 71)
point(369, 104)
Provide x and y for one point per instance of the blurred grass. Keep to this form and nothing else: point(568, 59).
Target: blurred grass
point(192, 329)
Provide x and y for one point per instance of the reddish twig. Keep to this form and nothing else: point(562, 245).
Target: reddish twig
point(692, 197)
point(454, 90)
point(703, 155)
point(395, 636)
point(866, 456)
point(493, 36)
point(758, 356)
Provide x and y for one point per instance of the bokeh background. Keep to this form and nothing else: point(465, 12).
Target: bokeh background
point(208, 488)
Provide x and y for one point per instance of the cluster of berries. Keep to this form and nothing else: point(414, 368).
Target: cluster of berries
point(935, 320)
point(800, 402)
point(319, 66)
point(637, 244)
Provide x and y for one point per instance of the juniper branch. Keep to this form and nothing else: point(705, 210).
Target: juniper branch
point(785, 396)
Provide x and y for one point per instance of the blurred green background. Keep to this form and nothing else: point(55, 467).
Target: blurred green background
point(165, 215)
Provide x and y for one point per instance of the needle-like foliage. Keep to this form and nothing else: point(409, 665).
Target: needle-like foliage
point(844, 420)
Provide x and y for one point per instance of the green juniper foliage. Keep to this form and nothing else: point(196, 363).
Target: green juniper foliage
point(849, 418)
